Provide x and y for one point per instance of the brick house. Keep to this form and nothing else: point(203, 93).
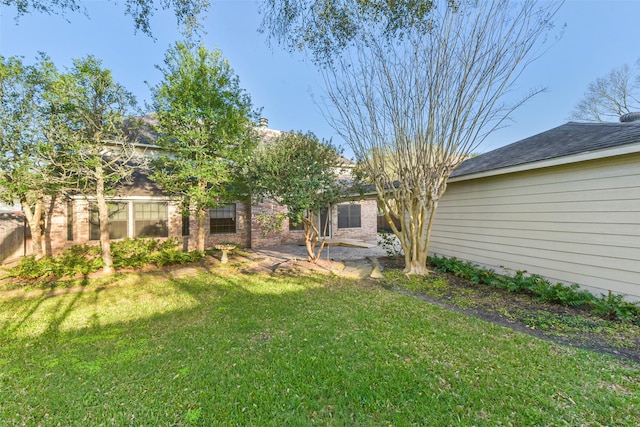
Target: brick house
point(142, 209)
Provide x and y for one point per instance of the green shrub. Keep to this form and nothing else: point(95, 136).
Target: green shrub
point(174, 255)
point(136, 253)
point(78, 259)
point(133, 253)
point(614, 307)
point(85, 259)
point(30, 268)
point(562, 294)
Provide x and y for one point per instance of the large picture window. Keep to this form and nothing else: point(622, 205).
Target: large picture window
point(349, 215)
point(150, 219)
point(118, 219)
point(222, 220)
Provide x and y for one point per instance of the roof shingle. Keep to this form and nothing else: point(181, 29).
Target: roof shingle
point(565, 140)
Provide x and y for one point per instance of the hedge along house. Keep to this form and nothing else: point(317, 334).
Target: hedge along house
point(564, 204)
point(143, 209)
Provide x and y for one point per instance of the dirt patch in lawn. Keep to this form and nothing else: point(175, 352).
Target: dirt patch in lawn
point(572, 326)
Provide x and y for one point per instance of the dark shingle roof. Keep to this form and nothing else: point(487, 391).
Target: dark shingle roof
point(570, 138)
point(141, 130)
point(141, 185)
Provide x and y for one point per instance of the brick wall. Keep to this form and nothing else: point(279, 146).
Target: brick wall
point(261, 237)
point(242, 236)
point(368, 222)
point(249, 233)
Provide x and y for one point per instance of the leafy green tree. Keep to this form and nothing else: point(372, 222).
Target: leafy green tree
point(25, 176)
point(325, 28)
point(86, 121)
point(206, 123)
point(187, 12)
point(300, 172)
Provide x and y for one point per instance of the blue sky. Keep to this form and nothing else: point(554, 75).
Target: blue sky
point(599, 35)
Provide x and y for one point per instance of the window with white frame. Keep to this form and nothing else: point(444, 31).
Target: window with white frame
point(150, 219)
point(118, 221)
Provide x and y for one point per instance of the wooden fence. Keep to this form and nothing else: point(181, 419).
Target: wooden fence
point(12, 236)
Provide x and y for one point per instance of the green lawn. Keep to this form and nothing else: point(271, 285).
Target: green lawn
point(258, 350)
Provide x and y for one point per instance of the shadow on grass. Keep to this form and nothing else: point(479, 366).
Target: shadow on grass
point(34, 301)
point(260, 350)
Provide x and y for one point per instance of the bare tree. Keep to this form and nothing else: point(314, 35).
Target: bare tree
point(412, 109)
point(609, 97)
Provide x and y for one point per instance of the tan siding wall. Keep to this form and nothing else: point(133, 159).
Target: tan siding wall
point(576, 223)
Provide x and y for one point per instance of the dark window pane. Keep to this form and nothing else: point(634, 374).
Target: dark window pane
point(299, 227)
point(222, 220)
point(150, 220)
point(185, 225)
point(118, 218)
point(349, 215)
point(70, 220)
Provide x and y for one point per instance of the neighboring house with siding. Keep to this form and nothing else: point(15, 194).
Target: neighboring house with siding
point(564, 204)
point(143, 209)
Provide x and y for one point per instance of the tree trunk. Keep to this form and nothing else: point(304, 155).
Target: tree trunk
point(310, 248)
point(201, 215)
point(312, 238)
point(417, 234)
point(103, 215)
point(417, 264)
point(47, 249)
point(34, 220)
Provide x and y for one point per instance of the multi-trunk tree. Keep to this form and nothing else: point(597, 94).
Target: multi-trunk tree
point(302, 173)
point(86, 123)
point(207, 130)
point(25, 175)
point(413, 107)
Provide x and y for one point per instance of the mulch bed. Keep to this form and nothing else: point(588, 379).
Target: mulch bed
point(571, 326)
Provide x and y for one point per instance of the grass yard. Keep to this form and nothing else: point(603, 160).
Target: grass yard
point(258, 350)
